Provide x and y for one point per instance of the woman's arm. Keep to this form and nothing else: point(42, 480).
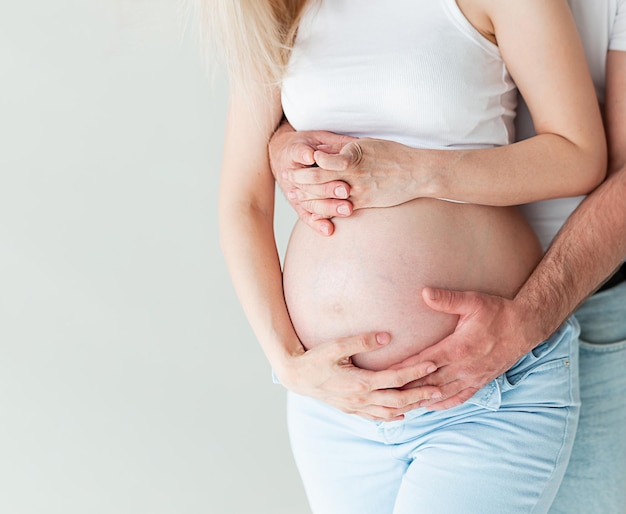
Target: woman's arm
point(567, 157)
point(493, 332)
point(246, 210)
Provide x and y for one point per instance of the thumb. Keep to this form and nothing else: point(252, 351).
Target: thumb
point(450, 302)
point(349, 157)
point(349, 346)
point(302, 154)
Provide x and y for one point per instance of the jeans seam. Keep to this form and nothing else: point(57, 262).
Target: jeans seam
point(559, 455)
point(603, 347)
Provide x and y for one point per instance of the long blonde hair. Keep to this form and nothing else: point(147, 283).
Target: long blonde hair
point(253, 37)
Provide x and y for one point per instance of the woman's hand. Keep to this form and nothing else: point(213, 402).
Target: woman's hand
point(326, 175)
point(291, 151)
point(380, 173)
point(326, 372)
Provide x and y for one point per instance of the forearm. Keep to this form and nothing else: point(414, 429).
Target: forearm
point(383, 173)
point(589, 247)
point(246, 214)
point(247, 241)
point(542, 167)
point(542, 52)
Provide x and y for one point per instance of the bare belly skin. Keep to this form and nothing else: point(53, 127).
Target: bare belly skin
point(369, 275)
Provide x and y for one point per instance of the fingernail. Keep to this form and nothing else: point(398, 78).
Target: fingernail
point(291, 195)
point(341, 192)
point(431, 369)
point(382, 338)
point(436, 396)
point(433, 294)
point(343, 209)
point(325, 229)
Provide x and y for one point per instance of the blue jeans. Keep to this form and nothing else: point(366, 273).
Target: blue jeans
point(595, 481)
point(503, 451)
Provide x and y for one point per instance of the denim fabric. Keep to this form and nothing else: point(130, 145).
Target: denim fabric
point(595, 481)
point(503, 451)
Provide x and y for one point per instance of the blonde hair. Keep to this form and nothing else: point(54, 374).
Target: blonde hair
point(253, 37)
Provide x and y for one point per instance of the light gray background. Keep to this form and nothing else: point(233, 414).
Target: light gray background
point(130, 381)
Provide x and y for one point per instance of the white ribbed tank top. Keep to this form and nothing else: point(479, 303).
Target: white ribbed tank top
point(413, 71)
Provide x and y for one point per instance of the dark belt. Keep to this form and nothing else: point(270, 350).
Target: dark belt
point(617, 278)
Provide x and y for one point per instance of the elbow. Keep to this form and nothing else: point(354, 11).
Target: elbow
point(596, 173)
point(592, 163)
point(598, 167)
point(242, 220)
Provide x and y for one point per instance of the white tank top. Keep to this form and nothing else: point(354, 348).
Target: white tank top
point(412, 71)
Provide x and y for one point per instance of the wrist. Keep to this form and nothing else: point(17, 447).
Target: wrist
point(426, 173)
point(534, 319)
point(284, 365)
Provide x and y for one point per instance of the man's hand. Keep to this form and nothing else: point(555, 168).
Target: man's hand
point(291, 152)
point(491, 335)
point(380, 173)
point(326, 372)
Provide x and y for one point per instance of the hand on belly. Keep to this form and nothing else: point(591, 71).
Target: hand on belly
point(369, 275)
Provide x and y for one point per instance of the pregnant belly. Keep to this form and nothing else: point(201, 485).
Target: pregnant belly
point(369, 275)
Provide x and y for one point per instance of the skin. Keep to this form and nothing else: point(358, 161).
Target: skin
point(246, 208)
point(246, 212)
point(551, 81)
point(492, 332)
point(587, 250)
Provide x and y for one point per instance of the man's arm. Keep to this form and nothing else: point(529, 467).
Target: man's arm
point(494, 332)
point(592, 243)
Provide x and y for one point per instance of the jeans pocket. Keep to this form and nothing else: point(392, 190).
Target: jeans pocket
point(554, 352)
point(514, 377)
point(602, 347)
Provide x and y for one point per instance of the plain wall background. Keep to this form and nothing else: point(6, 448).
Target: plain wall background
point(130, 381)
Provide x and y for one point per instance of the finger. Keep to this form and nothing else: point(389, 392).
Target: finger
point(414, 359)
point(441, 354)
point(331, 148)
point(336, 189)
point(327, 208)
point(323, 226)
point(301, 154)
point(452, 393)
point(455, 401)
point(346, 347)
point(406, 399)
point(396, 378)
point(309, 176)
point(349, 157)
point(332, 143)
point(375, 414)
point(451, 302)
